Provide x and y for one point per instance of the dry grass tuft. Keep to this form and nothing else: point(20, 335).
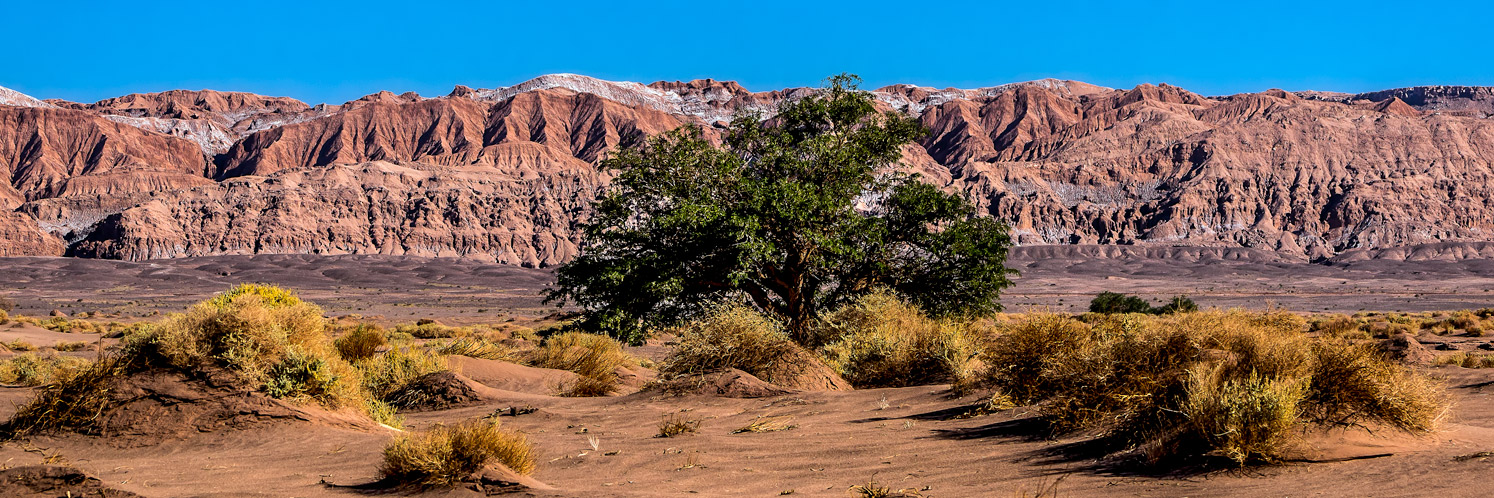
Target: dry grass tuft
point(1466, 360)
point(385, 373)
point(70, 346)
point(675, 425)
point(361, 343)
point(477, 347)
point(72, 404)
point(1353, 385)
point(595, 358)
point(427, 329)
point(731, 337)
point(446, 454)
point(881, 341)
point(768, 424)
point(874, 489)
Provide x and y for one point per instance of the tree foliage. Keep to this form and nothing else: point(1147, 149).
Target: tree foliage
point(1115, 302)
point(793, 214)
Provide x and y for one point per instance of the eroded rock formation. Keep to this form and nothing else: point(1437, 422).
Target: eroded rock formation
point(505, 174)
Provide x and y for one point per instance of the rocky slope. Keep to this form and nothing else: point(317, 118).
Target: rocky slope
point(504, 174)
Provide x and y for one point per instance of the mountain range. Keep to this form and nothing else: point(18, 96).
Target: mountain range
point(506, 174)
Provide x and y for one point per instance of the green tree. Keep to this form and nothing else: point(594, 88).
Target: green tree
point(790, 213)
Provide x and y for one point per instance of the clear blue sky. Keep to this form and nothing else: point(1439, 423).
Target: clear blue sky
point(339, 50)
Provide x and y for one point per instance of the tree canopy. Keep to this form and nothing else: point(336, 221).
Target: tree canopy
point(794, 213)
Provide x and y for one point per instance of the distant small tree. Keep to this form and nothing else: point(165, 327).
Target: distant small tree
point(1115, 302)
point(791, 214)
point(1179, 304)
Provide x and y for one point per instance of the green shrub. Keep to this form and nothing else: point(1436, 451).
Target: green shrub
point(1114, 302)
point(881, 341)
point(268, 295)
point(4, 317)
point(446, 454)
point(303, 375)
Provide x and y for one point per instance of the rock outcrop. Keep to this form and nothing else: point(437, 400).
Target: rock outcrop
point(505, 174)
point(522, 218)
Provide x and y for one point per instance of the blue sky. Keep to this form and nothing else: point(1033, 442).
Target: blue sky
point(340, 50)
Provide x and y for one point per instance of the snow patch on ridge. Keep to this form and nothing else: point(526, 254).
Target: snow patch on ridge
point(13, 98)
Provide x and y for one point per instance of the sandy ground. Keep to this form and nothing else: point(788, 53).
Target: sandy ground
point(382, 288)
point(840, 439)
point(401, 289)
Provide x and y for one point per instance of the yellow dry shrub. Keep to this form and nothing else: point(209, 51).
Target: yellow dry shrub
point(881, 341)
point(1243, 419)
point(239, 330)
point(1354, 384)
point(387, 372)
point(446, 454)
point(478, 347)
point(34, 370)
point(735, 336)
point(1225, 383)
point(594, 357)
point(362, 342)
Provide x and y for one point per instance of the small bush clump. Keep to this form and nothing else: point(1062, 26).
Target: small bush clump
point(1178, 304)
point(881, 341)
point(1115, 302)
point(386, 373)
point(730, 337)
point(34, 370)
point(477, 347)
point(66, 346)
point(428, 329)
point(1466, 360)
point(20, 345)
point(1228, 384)
point(675, 425)
point(595, 358)
point(361, 343)
point(264, 336)
point(446, 454)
